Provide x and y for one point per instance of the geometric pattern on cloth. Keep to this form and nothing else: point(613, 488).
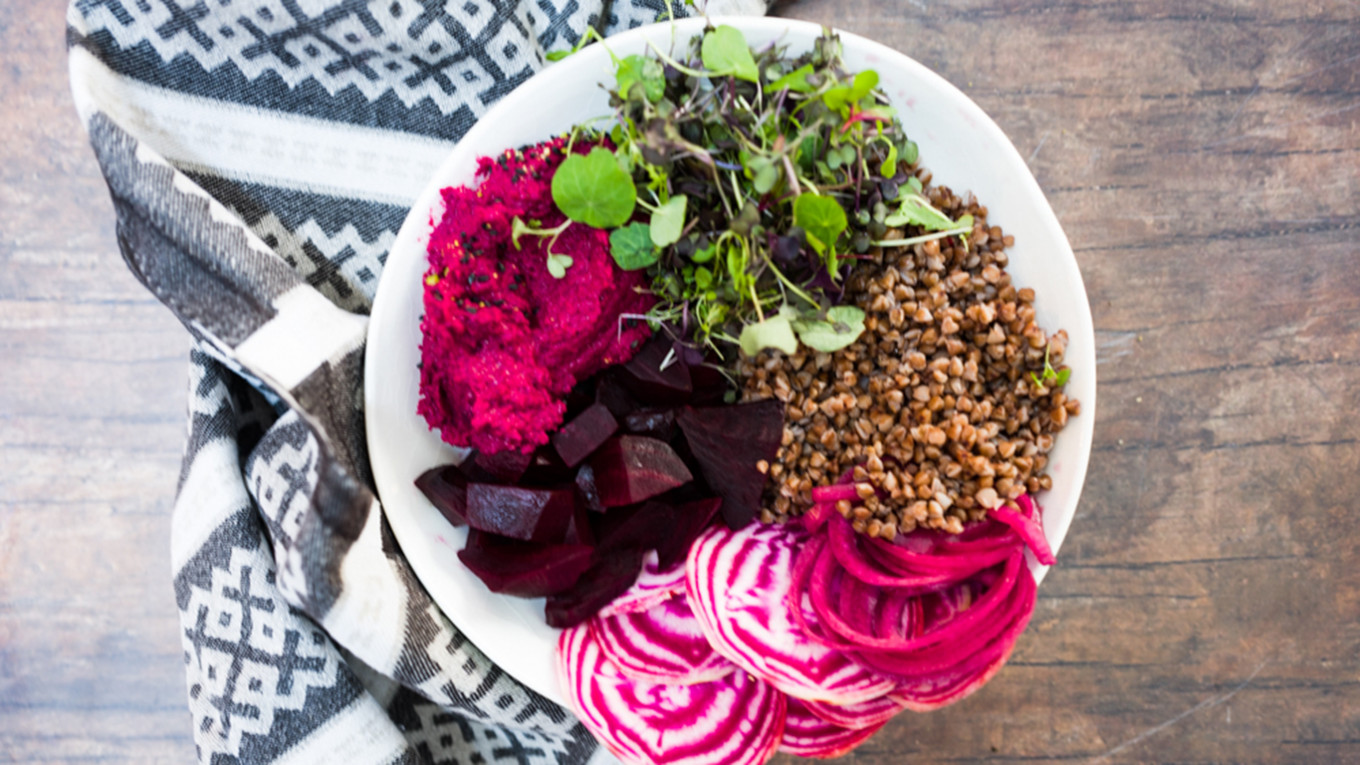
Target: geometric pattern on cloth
point(307, 637)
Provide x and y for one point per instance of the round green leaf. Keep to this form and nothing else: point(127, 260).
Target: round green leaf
point(774, 332)
point(724, 52)
point(631, 247)
point(594, 190)
point(843, 326)
point(668, 221)
point(822, 218)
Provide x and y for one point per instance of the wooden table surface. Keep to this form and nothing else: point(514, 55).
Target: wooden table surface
point(1203, 158)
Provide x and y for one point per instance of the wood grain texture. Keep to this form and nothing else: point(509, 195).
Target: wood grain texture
point(92, 392)
point(1203, 159)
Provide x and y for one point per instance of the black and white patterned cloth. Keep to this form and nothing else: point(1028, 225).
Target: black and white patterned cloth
point(261, 155)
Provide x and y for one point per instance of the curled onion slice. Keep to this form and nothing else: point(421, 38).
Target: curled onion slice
point(737, 720)
point(1028, 525)
point(923, 693)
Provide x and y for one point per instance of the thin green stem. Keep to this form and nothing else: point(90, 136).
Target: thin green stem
point(795, 289)
point(919, 239)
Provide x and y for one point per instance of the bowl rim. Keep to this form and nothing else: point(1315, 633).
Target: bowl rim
point(419, 220)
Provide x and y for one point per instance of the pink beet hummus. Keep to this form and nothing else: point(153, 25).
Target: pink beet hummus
point(504, 341)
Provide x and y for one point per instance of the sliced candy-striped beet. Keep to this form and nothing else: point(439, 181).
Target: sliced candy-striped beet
point(653, 586)
point(866, 714)
point(739, 585)
point(662, 644)
point(736, 720)
point(808, 735)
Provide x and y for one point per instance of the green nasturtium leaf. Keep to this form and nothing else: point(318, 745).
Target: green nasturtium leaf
point(641, 69)
point(843, 325)
point(795, 81)
point(821, 218)
point(724, 51)
point(774, 332)
point(594, 190)
point(668, 221)
point(631, 247)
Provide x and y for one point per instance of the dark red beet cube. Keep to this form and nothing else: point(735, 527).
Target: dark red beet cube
point(446, 488)
point(657, 375)
point(583, 435)
point(525, 569)
point(645, 526)
point(547, 469)
point(535, 515)
point(503, 467)
point(579, 530)
point(656, 423)
point(631, 469)
point(586, 491)
point(612, 574)
point(610, 392)
point(710, 386)
point(689, 521)
point(727, 442)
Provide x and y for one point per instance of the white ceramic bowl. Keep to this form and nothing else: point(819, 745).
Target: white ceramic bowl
point(958, 142)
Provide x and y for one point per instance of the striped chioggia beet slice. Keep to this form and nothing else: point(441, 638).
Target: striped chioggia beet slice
point(866, 714)
point(807, 734)
point(736, 720)
point(663, 644)
point(653, 586)
point(740, 587)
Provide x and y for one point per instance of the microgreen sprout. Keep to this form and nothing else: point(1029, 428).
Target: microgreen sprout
point(742, 181)
point(1051, 378)
point(557, 263)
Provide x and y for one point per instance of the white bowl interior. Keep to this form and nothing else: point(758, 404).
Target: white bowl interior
point(958, 142)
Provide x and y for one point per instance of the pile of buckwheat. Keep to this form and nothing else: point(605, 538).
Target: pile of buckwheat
point(934, 411)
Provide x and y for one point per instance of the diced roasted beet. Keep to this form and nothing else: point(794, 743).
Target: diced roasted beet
point(446, 488)
point(504, 467)
point(610, 392)
point(583, 435)
point(727, 442)
point(657, 375)
point(710, 386)
point(689, 521)
point(645, 526)
point(579, 531)
point(580, 397)
point(610, 577)
point(586, 491)
point(535, 515)
point(547, 469)
point(656, 423)
point(525, 569)
point(630, 469)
